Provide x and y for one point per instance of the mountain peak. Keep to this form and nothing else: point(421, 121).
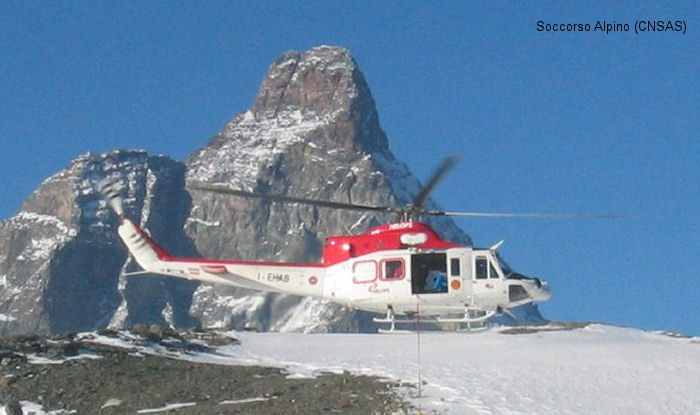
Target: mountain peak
point(322, 79)
point(317, 98)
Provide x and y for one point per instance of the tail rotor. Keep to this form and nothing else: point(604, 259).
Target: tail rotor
point(111, 190)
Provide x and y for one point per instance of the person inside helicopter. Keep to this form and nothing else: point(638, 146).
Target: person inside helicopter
point(436, 282)
point(429, 273)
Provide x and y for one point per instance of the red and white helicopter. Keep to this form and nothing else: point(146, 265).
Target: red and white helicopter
point(401, 268)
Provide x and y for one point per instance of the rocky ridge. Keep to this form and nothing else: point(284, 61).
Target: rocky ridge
point(62, 266)
point(155, 370)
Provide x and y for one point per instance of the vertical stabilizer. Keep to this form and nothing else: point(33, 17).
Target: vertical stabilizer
point(144, 249)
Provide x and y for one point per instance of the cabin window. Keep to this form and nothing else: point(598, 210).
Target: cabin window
point(482, 268)
point(393, 269)
point(429, 273)
point(454, 267)
point(364, 271)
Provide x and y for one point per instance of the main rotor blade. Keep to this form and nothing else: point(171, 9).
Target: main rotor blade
point(439, 173)
point(522, 215)
point(292, 199)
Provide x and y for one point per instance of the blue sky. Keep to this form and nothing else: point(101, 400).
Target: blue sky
point(544, 121)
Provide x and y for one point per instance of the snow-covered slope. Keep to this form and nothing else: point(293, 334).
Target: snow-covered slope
point(594, 370)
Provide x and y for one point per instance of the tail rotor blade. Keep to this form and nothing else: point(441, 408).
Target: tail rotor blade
point(111, 190)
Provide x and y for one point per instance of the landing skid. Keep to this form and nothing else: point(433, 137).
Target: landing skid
point(475, 320)
point(472, 321)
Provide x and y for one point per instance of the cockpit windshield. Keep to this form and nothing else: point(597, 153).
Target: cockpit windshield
point(507, 270)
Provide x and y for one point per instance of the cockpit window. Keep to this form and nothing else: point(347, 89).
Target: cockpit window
point(492, 271)
point(485, 268)
point(481, 268)
point(507, 270)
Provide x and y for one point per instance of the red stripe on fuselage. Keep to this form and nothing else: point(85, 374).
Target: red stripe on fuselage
point(382, 238)
point(205, 261)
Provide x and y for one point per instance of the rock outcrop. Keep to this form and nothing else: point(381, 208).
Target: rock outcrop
point(62, 266)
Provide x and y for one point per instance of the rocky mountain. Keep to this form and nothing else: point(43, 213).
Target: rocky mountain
point(61, 263)
point(313, 131)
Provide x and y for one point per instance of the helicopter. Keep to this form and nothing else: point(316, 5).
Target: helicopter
point(402, 268)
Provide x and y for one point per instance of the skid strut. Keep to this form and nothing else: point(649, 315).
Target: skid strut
point(391, 320)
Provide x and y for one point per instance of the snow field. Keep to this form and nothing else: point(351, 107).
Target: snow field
point(595, 370)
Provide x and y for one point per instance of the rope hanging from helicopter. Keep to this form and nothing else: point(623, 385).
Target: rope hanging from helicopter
point(418, 350)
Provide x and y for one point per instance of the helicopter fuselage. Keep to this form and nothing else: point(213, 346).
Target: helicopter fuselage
point(403, 266)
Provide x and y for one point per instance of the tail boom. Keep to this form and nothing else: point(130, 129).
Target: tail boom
point(289, 278)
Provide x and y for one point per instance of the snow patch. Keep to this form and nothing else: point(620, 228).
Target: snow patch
point(121, 315)
point(39, 360)
point(306, 317)
point(166, 408)
point(402, 182)
point(26, 219)
point(241, 303)
point(111, 402)
point(167, 315)
point(41, 248)
point(242, 401)
point(6, 318)
point(202, 222)
point(211, 303)
point(33, 408)
point(252, 142)
point(327, 58)
point(148, 199)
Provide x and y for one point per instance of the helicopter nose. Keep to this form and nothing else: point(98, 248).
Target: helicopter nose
point(537, 289)
point(541, 293)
